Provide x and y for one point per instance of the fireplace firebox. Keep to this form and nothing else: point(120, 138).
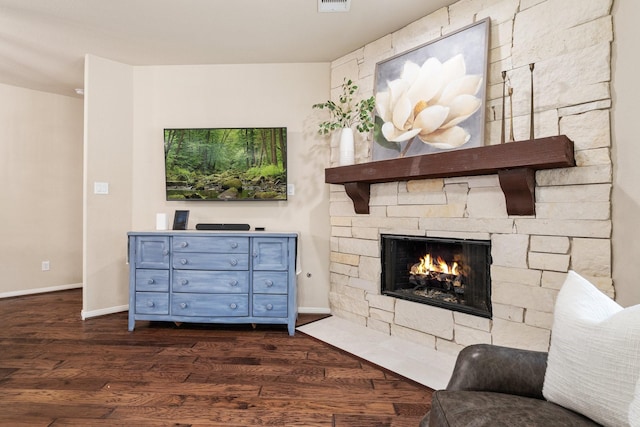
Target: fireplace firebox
point(447, 273)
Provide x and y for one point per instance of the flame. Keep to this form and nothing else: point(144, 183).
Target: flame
point(427, 264)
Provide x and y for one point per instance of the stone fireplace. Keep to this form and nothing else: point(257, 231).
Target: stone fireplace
point(447, 273)
point(570, 227)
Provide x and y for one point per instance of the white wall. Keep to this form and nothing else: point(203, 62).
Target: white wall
point(626, 152)
point(40, 190)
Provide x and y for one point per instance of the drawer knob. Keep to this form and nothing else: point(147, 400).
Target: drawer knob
point(233, 306)
point(184, 282)
point(233, 262)
point(234, 245)
point(184, 244)
point(269, 306)
point(151, 304)
point(183, 261)
point(151, 282)
point(233, 283)
point(165, 252)
point(269, 283)
point(183, 305)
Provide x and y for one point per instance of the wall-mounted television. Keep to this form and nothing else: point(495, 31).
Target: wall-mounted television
point(226, 164)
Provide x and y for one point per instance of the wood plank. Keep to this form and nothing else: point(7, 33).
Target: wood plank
point(369, 420)
point(82, 422)
point(222, 417)
point(519, 188)
point(34, 408)
point(544, 153)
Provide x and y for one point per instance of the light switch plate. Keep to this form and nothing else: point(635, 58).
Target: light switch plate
point(291, 189)
point(100, 188)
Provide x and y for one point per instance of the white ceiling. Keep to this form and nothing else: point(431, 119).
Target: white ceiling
point(43, 42)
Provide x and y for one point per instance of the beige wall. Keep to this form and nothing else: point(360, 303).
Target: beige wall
point(626, 152)
point(237, 96)
point(127, 109)
point(107, 158)
point(232, 95)
point(41, 191)
point(28, 115)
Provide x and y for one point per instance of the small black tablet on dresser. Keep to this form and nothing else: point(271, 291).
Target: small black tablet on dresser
point(180, 220)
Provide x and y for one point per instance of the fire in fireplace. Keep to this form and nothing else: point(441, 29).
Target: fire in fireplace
point(447, 273)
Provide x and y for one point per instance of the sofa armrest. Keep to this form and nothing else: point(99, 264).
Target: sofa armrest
point(484, 367)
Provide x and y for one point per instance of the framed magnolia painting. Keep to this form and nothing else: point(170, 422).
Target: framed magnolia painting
point(432, 98)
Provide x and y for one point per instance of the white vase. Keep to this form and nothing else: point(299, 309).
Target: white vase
point(347, 147)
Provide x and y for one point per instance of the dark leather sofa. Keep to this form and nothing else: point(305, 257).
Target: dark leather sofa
point(498, 386)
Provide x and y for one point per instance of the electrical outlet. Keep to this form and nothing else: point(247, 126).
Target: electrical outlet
point(46, 265)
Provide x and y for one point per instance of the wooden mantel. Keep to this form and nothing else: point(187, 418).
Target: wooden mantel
point(514, 162)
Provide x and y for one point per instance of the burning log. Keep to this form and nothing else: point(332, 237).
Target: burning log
point(437, 277)
point(436, 280)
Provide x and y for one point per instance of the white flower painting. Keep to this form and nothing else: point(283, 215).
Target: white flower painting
point(432, 98)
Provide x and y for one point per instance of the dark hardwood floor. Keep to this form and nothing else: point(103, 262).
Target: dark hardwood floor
point(57, 370)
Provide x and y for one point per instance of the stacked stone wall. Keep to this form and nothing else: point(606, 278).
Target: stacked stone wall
point(570, 43)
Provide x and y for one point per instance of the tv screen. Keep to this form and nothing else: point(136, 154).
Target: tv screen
point(225, 164)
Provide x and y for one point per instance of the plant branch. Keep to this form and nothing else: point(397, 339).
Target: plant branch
point(346, 113)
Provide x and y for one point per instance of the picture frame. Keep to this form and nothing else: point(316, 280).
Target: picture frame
point(432, 98)
point(180, 219)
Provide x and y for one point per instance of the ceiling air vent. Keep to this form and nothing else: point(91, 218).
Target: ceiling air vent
point(334, 5)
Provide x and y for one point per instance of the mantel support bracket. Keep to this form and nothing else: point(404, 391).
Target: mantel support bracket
point(519, 186)
point(359, 192)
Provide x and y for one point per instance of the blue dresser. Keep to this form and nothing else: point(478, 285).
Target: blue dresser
point(213, 277)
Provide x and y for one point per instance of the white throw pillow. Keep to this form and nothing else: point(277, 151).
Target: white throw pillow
point(594, 358)
point(634, 409)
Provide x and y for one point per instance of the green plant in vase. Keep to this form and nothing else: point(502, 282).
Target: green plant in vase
point(345, 114)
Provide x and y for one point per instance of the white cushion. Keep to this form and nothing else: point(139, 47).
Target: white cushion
point(594, 358)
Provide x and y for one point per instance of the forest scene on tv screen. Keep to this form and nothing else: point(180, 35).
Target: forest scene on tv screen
point(226, 164)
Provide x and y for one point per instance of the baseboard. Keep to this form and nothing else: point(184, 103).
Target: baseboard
point(103, 311)
point(314, 310)
point(40, 290)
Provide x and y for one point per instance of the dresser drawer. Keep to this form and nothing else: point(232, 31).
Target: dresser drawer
point(151, 251)
point(210, 305)
point(269, 305)
point(228, 244)
point(211, 282)
point(270, 282)
point(270, 253)
point(210, 261)
point(152, 303)
point(152, 280)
